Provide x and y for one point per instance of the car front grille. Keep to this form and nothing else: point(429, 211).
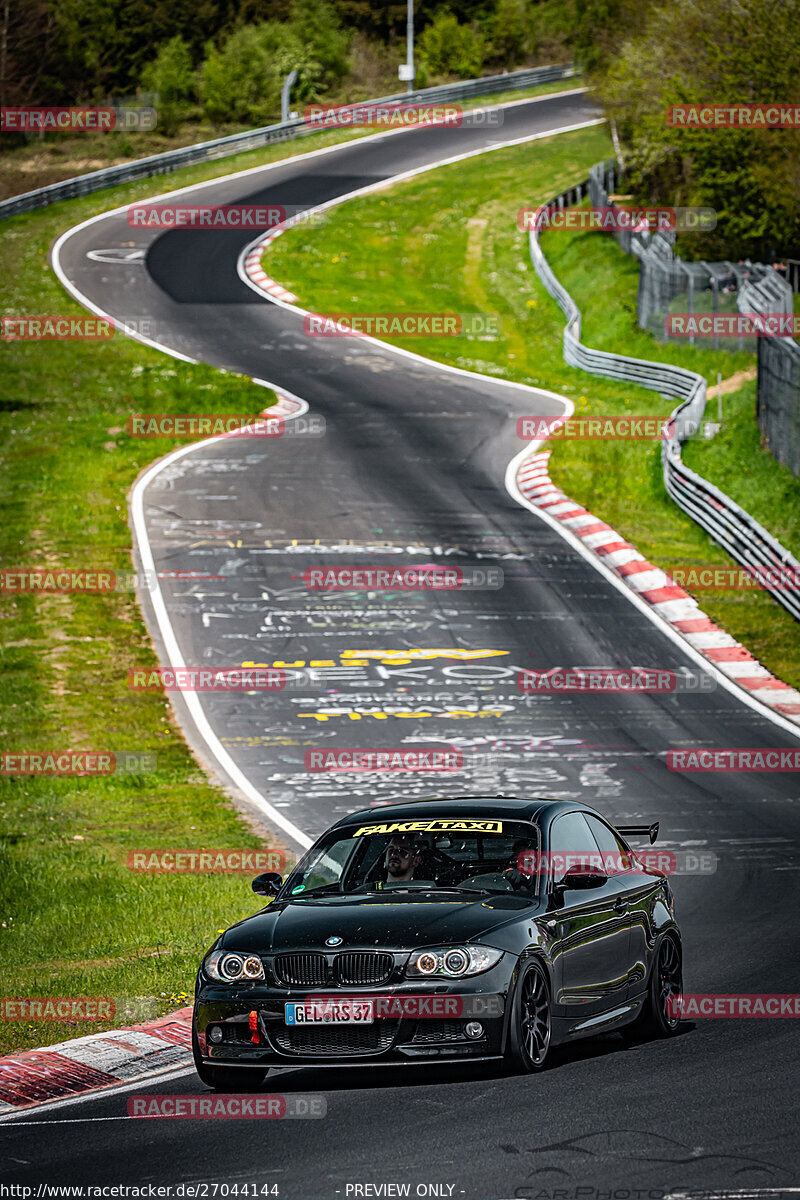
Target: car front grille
point(365, 967)
point(336, 1039)
point(348, 968)
point(440, 1031)
point(303, 970)
point(237, 1031)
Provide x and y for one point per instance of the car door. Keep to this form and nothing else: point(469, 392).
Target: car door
point(591, 948)
point(639, 890)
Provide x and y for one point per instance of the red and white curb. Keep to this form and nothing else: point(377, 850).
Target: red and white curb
point(100, 1060)
point(654, 586)
point(255, 271)
point(284, 406)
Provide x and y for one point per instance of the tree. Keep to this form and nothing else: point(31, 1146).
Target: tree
point(27, 53)
point(316, 25)
point(705, 52)
point(241, 81)
point(508, 30)
point(172, 76)
point(601, 27)
point(447, 48)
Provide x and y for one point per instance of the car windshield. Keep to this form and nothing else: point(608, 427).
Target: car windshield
point(445, 853)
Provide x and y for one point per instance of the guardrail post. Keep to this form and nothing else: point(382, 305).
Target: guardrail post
point(288, 84)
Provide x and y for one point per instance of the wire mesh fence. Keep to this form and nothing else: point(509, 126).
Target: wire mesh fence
point(670, 288)
point(778, 390)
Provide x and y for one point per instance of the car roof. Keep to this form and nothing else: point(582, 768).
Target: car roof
point(510, 807)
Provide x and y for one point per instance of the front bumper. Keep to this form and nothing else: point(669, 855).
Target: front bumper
point(438, 1035)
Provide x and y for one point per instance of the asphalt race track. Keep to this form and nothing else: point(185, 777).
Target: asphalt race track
point(410, 469)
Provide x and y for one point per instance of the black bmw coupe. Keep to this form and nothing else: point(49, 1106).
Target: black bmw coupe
point(438, 931)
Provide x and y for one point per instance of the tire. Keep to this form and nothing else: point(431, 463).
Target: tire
point(530, 1029)
point(666, 981)
point(226, 1079)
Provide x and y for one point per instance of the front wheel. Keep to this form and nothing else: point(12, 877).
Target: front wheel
point(658, 1018)
point(531, 1023)
point(225, 1079)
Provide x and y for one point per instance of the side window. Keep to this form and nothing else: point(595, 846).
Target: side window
point(569, 835)
point(619, 857)
point(325, 867)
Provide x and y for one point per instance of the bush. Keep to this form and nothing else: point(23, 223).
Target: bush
point(242, 80)
point(447, 48)
point(315, 23)
point(509, 33)
point(172, 76)
point(697, 53)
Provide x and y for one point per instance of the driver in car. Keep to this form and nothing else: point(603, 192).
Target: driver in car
point(402, 858)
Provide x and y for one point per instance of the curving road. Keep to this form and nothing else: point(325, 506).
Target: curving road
point(411, 470)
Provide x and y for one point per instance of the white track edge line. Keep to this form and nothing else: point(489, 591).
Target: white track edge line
point(191, 699)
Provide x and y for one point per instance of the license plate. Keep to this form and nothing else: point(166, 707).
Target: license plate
point(330, 1012)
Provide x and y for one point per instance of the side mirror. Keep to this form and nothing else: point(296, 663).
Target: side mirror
point(582, 877)
point(268, 884)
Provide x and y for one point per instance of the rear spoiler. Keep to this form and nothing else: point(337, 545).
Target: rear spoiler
point(650, 831)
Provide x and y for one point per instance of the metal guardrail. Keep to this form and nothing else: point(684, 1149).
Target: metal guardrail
point(252, 139)
point(734, 529)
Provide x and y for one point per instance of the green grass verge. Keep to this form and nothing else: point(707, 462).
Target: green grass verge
point(737, 463)
point(73, 919)
point(451, 235)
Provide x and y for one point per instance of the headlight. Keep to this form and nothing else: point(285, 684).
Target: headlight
point(453, 961)
point(228, 967)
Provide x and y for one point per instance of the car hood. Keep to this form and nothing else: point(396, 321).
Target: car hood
point(393, 923)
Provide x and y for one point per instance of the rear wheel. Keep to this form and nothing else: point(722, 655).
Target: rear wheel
point(531, 1026)
point(657, 1018)
point(226, 1079)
